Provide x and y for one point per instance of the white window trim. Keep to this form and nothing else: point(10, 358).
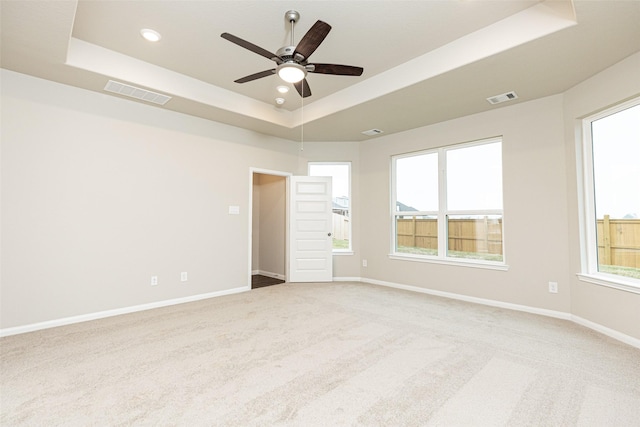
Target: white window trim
point(588, 238)
point(442, 214)
point(611, 281)
point(349, 250)
point(460, 262)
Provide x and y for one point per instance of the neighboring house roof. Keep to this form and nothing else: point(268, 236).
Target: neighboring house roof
point(401, 207)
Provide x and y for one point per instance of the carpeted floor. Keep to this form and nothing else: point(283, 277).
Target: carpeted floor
point(332, 354)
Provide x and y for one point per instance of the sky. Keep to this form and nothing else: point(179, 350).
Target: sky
point(417, 181)
point(474, 179)
point(616, 158)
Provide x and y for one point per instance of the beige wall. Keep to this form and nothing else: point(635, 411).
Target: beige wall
point(99, 194)
point(612, 308)
point(534, 191)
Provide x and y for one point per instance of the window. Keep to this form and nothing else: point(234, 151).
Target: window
point(447, 204)
point(341, 187)
point(611, 204)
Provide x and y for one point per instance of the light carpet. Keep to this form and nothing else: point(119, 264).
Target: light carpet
point(330, 354)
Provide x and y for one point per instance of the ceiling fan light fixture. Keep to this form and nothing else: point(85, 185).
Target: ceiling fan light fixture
point(291, 72)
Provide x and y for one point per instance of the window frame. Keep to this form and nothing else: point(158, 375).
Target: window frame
point(443, 212)
point(349, 250)
point(587, 207)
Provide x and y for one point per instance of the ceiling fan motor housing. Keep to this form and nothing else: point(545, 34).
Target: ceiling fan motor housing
point(286, 54)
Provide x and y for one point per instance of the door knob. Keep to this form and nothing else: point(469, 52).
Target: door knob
point(329, 234)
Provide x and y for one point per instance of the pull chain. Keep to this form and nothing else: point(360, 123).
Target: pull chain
point(302, 117)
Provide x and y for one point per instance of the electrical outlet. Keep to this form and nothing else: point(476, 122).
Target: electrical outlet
point(154, 280)
point(553, 287)
point(364, 262)
point(183, 276)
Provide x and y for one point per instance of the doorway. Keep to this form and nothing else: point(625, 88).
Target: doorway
point(268, 228)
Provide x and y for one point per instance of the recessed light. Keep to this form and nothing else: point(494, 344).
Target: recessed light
point(279, 101)
point(283, 89)
point(150, 35)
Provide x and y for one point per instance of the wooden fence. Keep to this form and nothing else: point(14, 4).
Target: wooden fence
point(618, 239)
point(340, 227)
point(482, 235)
point(619, 242)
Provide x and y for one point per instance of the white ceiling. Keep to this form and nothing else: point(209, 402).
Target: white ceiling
point(424, 61)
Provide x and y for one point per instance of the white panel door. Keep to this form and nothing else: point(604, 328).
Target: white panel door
point(310, 226)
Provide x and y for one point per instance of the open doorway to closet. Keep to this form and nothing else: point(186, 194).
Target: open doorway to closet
point(268, 228)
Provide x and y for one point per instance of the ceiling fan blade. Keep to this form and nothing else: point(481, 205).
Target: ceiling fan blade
point(312, 39)
point(250, 46)
point(303, 88)
point(341, 70)
point(256, 76)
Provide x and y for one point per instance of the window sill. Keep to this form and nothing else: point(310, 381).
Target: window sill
point(450, 261)
point(628, 285)
point(343, 253)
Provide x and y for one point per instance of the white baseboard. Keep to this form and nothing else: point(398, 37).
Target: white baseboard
point(269, 274)
point(607, 331)
point(483, 301)
point(347, 279)
point(627, 339)
point(115, 312)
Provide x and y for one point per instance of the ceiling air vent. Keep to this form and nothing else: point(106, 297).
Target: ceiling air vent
point(502, 98)
point(372, 132)
point(136, 92)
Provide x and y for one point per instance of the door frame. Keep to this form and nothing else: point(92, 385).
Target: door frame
point(286, 175)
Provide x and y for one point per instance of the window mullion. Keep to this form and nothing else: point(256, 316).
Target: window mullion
point(442, 203)
point(475, 212)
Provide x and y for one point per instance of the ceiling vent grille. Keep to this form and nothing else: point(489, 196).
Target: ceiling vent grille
point(372, 132)
point(136, 92)
point(509, 96)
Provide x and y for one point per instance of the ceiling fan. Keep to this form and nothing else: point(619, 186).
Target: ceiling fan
point(293, 61)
